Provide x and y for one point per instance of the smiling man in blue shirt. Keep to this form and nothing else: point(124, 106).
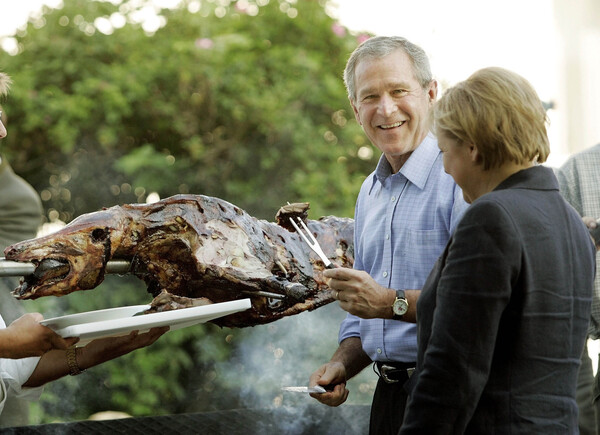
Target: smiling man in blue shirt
point(405, 213)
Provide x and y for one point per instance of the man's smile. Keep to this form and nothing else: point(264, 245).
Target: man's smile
point(394, 125)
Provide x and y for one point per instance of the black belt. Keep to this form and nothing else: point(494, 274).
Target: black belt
point(392, 372)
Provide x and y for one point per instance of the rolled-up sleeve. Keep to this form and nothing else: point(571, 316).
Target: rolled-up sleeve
point(14, 373)
point(350, 327)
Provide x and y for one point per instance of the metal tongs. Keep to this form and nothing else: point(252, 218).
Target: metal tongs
point(312, 242)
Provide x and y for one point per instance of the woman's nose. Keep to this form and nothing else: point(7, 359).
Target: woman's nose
point(2, 130)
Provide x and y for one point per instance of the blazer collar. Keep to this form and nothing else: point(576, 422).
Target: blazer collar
point(535, 178)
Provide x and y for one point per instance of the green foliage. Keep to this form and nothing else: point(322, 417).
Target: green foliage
point(219, 106)
point(244, 104)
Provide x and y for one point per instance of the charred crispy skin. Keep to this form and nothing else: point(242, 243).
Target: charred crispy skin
point(194, 247)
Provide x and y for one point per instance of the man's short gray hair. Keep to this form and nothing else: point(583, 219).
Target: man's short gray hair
point(381, 46)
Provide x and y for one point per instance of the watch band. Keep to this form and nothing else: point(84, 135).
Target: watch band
point(400, 303)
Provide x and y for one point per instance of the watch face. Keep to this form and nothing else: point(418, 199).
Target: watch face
point(400, 306)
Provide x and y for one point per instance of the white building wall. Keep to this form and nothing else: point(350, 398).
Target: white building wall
point(578, 95)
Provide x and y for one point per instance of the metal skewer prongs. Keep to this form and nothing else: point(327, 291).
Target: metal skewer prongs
point(313, 243)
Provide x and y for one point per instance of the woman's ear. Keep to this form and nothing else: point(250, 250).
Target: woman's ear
point(474, 153)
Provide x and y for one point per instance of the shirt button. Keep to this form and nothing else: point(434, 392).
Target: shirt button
point(393, 198)
point(379, 350)
point(384, 274)
point(387, 237)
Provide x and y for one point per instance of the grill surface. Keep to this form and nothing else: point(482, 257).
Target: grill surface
point(311, 419)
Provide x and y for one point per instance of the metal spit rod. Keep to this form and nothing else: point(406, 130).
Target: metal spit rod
point(15, 268)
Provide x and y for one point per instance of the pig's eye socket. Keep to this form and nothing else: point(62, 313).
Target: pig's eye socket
point(99, 234)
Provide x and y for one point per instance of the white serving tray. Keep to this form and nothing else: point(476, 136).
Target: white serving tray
point(115, 322)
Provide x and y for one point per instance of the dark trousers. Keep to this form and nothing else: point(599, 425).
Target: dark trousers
point(387, 410)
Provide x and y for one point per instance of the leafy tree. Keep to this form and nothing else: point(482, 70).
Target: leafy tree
point(219, 106)
point(242, 100)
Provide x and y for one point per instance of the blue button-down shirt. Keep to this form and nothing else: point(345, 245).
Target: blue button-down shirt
point(401, 225)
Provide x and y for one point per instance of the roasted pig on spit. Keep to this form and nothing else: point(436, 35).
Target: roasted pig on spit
point(190, 250)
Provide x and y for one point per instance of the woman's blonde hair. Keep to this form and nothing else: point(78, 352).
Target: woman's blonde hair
point(5, 82)
point(500, 113)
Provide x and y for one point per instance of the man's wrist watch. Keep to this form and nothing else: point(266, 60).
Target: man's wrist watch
point(400, 305)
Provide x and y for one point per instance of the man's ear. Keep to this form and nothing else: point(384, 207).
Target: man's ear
point(356, 115)
point(432, 91)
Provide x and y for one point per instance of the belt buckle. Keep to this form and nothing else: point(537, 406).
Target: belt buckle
point(383, 372)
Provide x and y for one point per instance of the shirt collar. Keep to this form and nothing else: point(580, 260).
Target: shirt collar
point(416, 169)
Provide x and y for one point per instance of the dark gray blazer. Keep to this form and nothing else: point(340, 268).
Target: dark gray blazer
point(503, 316)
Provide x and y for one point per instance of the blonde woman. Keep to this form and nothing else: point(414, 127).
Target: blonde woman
point(503, 316)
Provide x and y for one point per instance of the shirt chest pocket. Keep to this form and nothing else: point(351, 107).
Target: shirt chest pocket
point(421, 251)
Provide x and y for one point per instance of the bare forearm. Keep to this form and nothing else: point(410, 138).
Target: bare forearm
point(52, 365)
point(351, 354)
point(5, 345)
